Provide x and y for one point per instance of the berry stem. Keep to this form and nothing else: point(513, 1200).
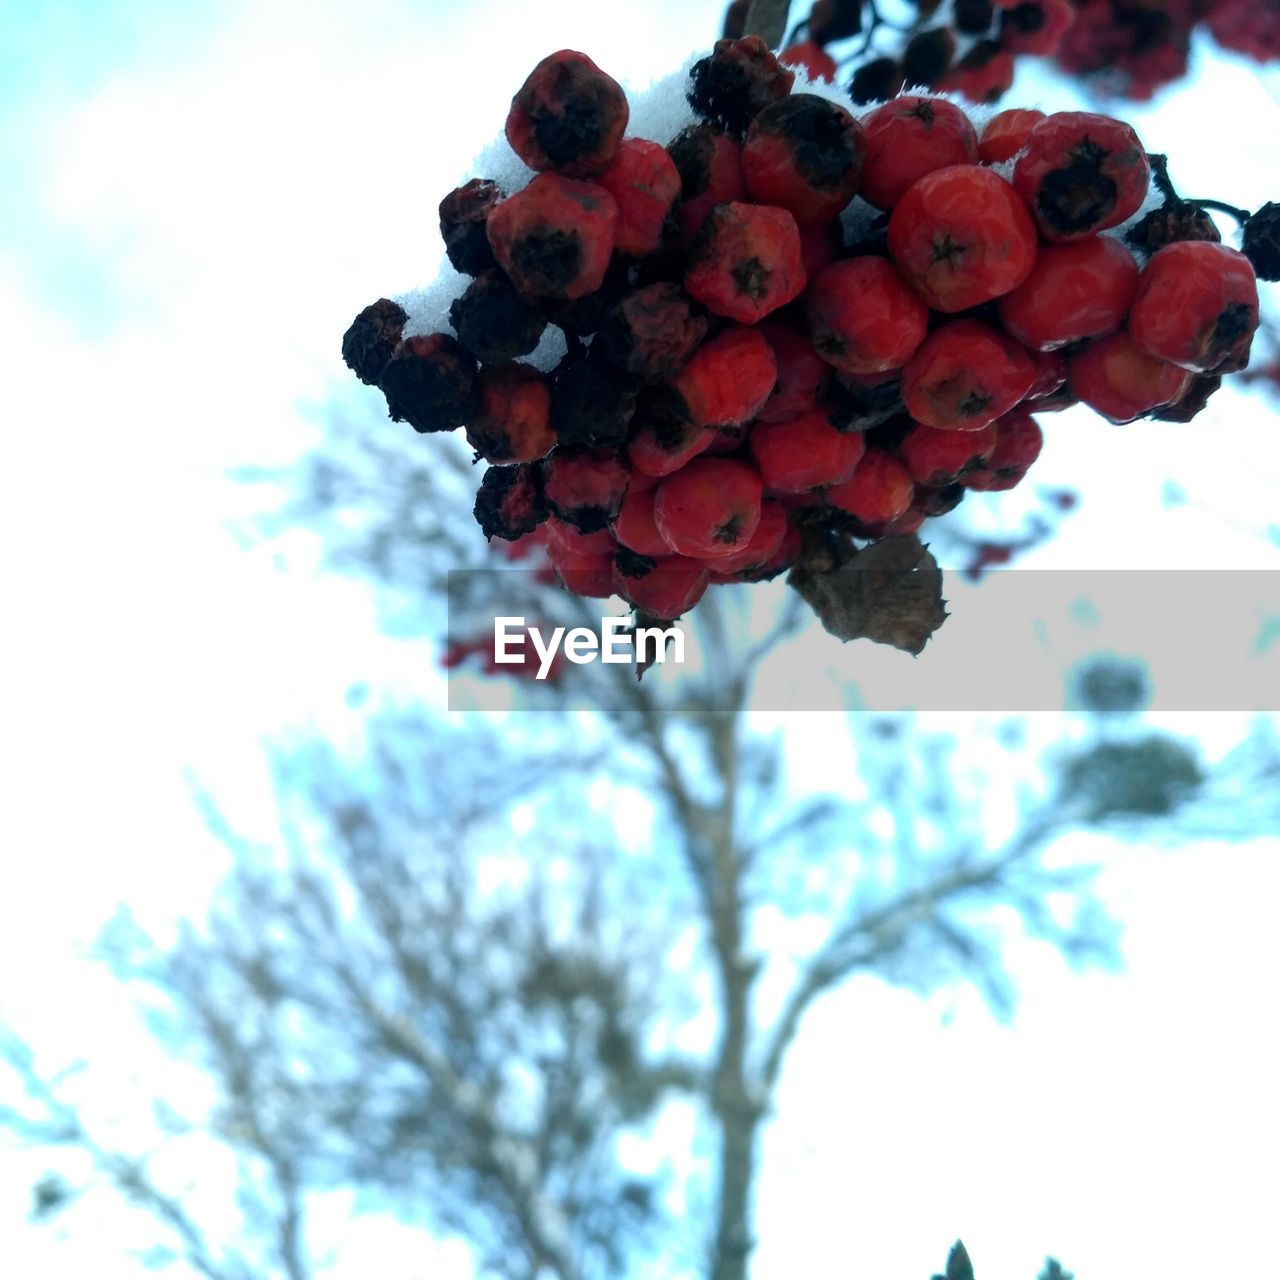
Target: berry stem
point(1164, 184)
point(1240, 215)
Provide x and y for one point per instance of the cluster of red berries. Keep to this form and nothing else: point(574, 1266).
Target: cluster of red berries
point(1131, 48)
point(790, 325)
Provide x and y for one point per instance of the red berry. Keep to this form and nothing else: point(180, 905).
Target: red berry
point(710, 166)
point(513, 424)
point(644, 182)
point(820, 246)
point(589, 575)
point(864, 317)
point(430, 383)
point(671, 587)
point(1120, 381)
point(463, 215)
point(1078, 290)
point(805, 453)
point(961, 236)
point(728, 378)
point(568, 115)
point(635, 527)
point(709, 508)
point(585, 487)
point(879, 490)
point(574, 542)
point(1081, 173)
point(1018, 444)
point(812, 59)
point(965, 375)
point(939, 458)
point(665, 435)
point(1006, 133)
point(554, 238)
point(984, 74)
point(802, 373)
point(1036, 26)
point(510, 502)
point(760, 548)
point(909, 137)
point(745, 262)
point(1197, 306)
point(804, 154)
point(738, 79)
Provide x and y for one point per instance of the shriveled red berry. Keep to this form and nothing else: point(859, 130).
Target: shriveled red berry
point(430, 383)
point(961, 236)
point(939, 458)
point(710, 507)
point(513, 424)
point(1006, 133)
point(652, 332)
point(735, 81)
point(554, 238)
point(592, 402)
point(1018, 444)
point(811, 58)
point(909, 137)
point(864, 317)
point(1036, 26)
point(965, 375)
point(709, 163)
point(493, 321)
point(804, 453)
point(1120, 381)
point(371, 340)
point(510, 502)
point(1173, 220)
point(984, 74)
point(668, 588)
point(463, 215)
point(802, 373)
point(665, 435)
point(1081, 289)
point(761, 547)
point(635, 526)
point(1081, 173)
point(1197, 306)
point(728, 378)
point(585, 487)
point(745, 262)
point(643, 180)
point(591, 576)
point(880, 489)
point(568, 115)
point(804, 154)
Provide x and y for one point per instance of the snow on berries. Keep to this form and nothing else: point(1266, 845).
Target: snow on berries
point(795, 323)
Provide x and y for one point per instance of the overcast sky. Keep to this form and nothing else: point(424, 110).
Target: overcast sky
point(195, 202)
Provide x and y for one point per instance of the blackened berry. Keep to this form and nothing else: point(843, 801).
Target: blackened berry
point(973, 17)
point(372, 338)
point(463, 214)
point(510, 502)
point(493, 321)
point(1262, 241)
point(1172, 221)
point(1192, 400)
point(652, 332)
point(860, 404)
point(739, 78)
point(592, 402)
point(877, 81)
point(832, 20)
point(927, 56)
point(430, 383)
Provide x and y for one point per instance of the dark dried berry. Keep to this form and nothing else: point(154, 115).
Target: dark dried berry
point(1172, 221)
point(652, 332)
point(514, 420)
point(739, 78)
point(876, 81)
point(493, 321)
point(927, 57)
point(568, 115)
point(859, 404)
point(1192, 400)
point(832, 20)
point(583, 316)
point(463, 214)
point(585, 487)
point(430, 383)
point(937, 502)
point(1262, 241)
point(372, 339)
point(973, 17)
point(592, 403)
point(510, 502)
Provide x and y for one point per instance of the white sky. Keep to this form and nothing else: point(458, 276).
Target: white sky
point(186, 234)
